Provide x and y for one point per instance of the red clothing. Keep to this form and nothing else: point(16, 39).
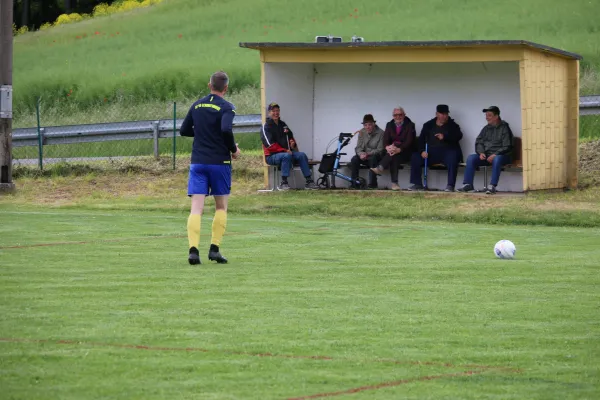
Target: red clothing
point(402, 136)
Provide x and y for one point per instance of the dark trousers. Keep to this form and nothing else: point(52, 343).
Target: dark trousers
point(393, 163)
point(437, 155)
point(371, 162)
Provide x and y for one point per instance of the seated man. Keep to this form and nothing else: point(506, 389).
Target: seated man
point(399, 140)
point(369, 149)
point(281, 148)
point(441, 134)
point(493, 147)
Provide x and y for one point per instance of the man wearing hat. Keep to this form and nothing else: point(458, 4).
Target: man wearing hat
point(442, 136)
point(369, 149)
point(493, 147)
point(280, 148)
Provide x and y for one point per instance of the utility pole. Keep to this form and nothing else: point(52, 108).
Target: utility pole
point(6, 54)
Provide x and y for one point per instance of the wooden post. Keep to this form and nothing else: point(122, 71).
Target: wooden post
point(155, 137)
point(6, 49)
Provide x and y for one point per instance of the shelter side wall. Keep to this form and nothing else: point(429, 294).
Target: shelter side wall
point(573, 126)
point(545, 114)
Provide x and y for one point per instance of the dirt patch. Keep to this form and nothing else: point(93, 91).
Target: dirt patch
point(68, 184)
point(589, 157)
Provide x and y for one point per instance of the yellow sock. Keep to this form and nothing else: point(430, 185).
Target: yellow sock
point(193, 229)
point(218, 227)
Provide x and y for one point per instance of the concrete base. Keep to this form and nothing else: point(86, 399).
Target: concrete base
point(436, 180)
point(7, 187)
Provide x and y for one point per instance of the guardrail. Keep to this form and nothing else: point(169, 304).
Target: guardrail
point(588, 105)
point(118, 131)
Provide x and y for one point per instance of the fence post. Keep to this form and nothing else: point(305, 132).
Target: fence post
point(155, 138)
point(40, 136)
point(174, 133)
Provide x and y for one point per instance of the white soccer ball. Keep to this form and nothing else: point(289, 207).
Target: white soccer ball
point(505, 249)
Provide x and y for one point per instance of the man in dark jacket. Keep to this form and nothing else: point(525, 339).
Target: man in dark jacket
point(442, 136)
point(281, 148)
point(493, 147)
point(399, 140)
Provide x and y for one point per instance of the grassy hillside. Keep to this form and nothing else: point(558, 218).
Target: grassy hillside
point(166, 52)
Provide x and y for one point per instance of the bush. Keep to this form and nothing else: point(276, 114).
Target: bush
point(100, 10)
point(74, 17)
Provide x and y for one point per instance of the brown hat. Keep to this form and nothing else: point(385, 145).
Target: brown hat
point(368, 118)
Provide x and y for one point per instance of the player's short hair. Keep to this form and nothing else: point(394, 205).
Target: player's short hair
point(219, 80)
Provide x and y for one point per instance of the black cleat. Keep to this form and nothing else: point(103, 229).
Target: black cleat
point(194, 257)
point(215, 255)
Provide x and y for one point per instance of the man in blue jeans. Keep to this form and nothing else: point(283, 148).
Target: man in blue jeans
point(281, 149)
point(492, 147)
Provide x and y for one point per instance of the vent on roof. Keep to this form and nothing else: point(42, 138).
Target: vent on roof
point(328, 39)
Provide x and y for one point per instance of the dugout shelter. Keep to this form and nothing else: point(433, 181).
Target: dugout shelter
point(326, 88)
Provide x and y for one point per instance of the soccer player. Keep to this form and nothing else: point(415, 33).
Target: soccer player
point(210, 122)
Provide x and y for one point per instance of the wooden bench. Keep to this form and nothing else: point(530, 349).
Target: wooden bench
point(515, 166)
point(517, 160)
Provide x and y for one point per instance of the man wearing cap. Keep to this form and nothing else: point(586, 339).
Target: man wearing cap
point(280, 148)
point(441, 135)
point(493, 147)
point(369, 149)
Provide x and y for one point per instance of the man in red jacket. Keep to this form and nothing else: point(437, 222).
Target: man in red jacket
point(281, 148)
point(399, 140)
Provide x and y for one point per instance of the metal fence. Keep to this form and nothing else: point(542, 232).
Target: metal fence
point(97, 142)
point(118, 143)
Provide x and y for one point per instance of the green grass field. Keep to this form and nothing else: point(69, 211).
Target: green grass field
point(99, 304)
point(166, 52)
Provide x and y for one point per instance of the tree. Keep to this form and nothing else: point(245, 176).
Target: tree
point(25, 13)
point(34, 13)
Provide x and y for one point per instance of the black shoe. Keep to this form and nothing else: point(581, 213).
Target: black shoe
point(194, 257)
point(373, 186)
point(416, 188)
point(466, 188)
point(284, 186)
point(215, 255)
point(310, 185)
point(449, 188)
point(491, 189)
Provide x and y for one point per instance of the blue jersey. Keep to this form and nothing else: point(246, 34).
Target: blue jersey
point(210, 122)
